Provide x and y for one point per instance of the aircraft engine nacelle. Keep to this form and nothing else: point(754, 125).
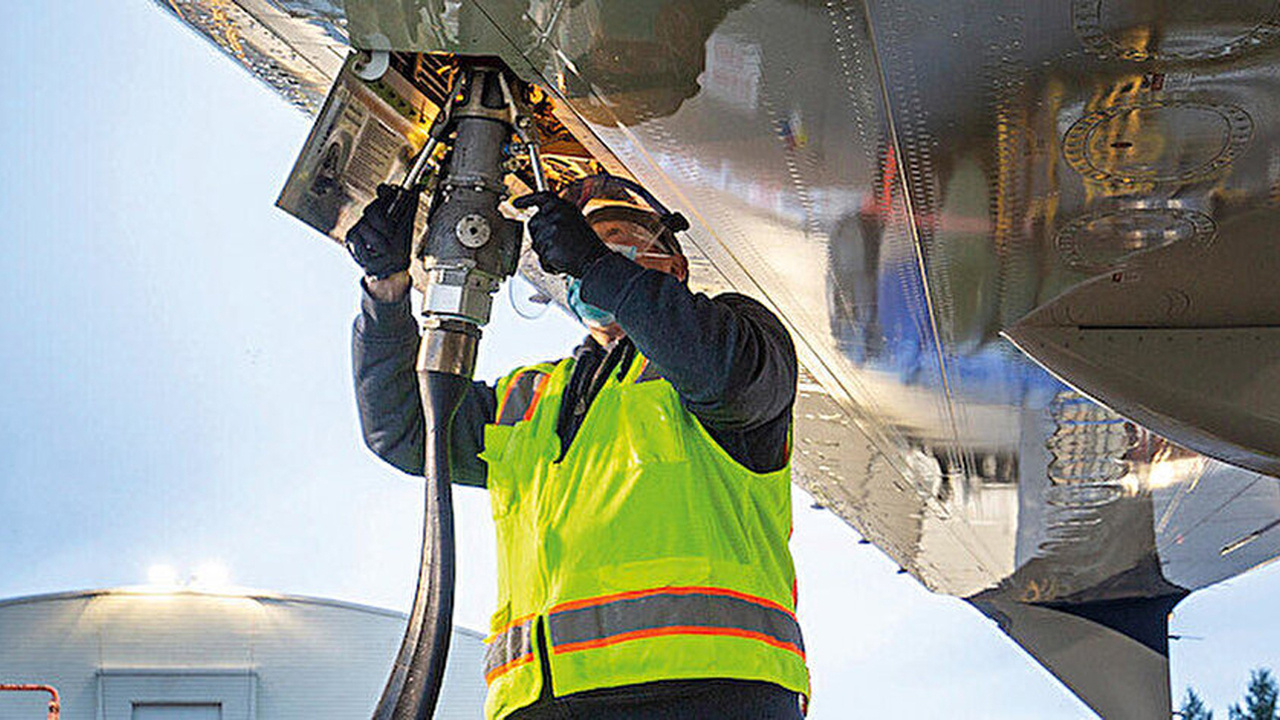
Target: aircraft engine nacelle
point(1184, 339)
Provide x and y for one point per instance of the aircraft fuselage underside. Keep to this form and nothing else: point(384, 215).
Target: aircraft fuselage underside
point(915, 186)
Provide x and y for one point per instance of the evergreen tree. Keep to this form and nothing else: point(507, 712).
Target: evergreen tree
point(1260, 700)
point(1193, 707)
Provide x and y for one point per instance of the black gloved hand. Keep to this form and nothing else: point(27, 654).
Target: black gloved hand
point(563, 240)
point(381, 240)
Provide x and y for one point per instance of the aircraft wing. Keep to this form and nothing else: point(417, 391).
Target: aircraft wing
point(915, 186)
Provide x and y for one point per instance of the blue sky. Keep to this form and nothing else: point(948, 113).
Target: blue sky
point(176, 388)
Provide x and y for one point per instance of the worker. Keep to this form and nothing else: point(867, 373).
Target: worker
point(640, 488)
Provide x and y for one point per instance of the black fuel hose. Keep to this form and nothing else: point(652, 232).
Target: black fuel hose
point(414, 685)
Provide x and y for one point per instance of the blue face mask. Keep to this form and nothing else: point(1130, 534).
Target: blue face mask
point(589, 314)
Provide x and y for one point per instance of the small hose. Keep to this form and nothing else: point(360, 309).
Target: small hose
point(414, 686)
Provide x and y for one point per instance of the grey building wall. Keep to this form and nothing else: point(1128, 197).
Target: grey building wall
point(135, 653)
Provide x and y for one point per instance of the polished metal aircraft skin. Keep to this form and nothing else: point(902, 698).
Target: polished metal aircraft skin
point(917, 185)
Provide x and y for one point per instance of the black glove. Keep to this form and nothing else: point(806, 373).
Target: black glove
point(563, 240)
point(381, 240)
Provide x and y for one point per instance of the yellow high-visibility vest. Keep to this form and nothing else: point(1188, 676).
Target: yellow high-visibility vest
point(647, 553)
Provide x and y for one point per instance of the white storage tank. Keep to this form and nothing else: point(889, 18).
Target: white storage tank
point(149, 654)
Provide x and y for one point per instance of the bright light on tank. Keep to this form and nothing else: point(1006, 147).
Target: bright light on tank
point(211, 575)
point(162, 575)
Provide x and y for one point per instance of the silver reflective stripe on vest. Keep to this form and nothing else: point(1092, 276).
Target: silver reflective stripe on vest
point(520, 396)
point(507, 649)
point(672, 611)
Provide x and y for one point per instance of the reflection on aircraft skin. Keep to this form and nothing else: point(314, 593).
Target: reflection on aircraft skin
point(909, 183)
point(875, 311)
point(644, 57)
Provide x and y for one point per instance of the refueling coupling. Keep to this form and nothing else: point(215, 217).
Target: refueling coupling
point(470, 247)
point(468, 250)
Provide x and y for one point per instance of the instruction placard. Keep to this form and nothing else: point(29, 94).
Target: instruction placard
point(366, 134)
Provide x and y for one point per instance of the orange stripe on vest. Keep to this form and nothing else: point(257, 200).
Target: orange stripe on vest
point(501, 670)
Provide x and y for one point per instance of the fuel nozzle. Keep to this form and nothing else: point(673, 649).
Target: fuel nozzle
point(468, 250)
point(470, 247)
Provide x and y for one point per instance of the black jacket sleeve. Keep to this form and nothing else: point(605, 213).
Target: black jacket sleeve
point(729, 357)
point(384, 348)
